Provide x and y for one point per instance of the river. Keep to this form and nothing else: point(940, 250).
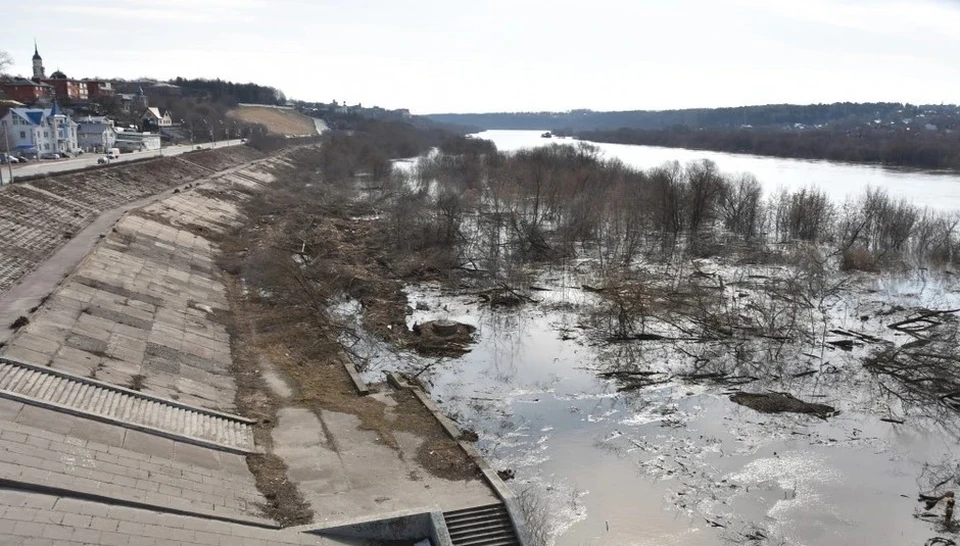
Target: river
point(939, 190)
point(679, 463)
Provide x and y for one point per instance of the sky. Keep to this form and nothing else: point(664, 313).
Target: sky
point(435, 56)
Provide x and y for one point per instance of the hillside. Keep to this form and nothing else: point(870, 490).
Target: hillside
point(278, 121)
point(773, 115)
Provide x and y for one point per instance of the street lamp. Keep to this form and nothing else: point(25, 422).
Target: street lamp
point(183, 123)
point(6, 140)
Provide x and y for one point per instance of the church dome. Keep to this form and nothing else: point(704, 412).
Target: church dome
point(58, 75)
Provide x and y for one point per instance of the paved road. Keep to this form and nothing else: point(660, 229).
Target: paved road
point(90, 159)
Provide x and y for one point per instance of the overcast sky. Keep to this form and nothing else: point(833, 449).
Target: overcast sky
point(512, 55)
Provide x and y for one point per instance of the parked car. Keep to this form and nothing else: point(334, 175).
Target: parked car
point(112, 153)
point(4, 159)
point(50, 155)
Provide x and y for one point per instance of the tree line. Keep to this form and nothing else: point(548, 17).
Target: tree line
point(898, 147)
point(771, 115)
point(230, 93)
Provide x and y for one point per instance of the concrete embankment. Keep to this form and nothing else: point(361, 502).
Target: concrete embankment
point(99, 430)
point(120, 399)
point(40, 214)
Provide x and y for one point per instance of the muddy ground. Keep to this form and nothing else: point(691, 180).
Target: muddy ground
point(279, 287)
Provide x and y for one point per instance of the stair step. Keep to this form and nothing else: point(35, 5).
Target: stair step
point(62, 391)
point(488, 525)
point(466, 519)
point(480, 527)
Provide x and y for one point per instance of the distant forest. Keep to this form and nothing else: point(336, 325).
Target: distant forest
point(756, 116)
point(899, 148)
point(231, 93)
point(888, 133)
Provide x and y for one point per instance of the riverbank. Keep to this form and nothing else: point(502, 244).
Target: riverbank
point(149, 352)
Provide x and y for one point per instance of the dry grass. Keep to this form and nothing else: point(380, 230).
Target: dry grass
point(285, 503)
point(277, 121)
point(290, 328)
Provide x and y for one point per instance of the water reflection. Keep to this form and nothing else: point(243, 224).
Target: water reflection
point(678, 462)
point(938, 190)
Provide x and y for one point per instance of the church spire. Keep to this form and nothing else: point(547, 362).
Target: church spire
point(38, 72)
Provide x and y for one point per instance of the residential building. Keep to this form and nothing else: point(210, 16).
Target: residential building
point(130, 141)
point(98, 88)
point(40, 130)
point(95, 133)
point(26, 91)
point(164, 89)
point(126, 101)
point(154, 118)
point(67, 89)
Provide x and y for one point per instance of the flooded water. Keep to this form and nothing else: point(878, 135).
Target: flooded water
point(938, 190)
point(678, 462)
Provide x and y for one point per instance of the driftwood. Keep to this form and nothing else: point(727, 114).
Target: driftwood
point(504, 296)
point(781, 402)
point(628, 374)
point(924, 321)
point(640, 337)
point(858, 335)
point(844, 344)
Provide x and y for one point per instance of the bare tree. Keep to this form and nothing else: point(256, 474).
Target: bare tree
point(6, 61)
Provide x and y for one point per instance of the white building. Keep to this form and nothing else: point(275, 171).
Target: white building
point(154, 118)
point(39, 131)
point(96, 136)
point(130, 141)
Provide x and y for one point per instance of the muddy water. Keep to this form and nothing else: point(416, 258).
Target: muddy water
point(938, 190)
point(679, 463)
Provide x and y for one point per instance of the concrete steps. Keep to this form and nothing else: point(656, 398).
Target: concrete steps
point(86, 397)
point(488, 525)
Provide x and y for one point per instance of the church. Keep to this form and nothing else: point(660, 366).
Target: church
point(42, 89)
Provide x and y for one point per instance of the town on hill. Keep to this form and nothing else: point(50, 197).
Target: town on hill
point(54, 116)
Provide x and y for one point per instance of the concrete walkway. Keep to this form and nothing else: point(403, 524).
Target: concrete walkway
point(347, 472)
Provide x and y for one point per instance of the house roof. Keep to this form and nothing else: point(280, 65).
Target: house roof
point(93, 128)
point(156, 112)
point(22, 82)
point(36, 116)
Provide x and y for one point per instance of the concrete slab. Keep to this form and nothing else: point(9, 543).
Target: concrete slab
point(352, 473)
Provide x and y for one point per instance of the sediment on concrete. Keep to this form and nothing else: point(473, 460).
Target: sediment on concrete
point(505, 494)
